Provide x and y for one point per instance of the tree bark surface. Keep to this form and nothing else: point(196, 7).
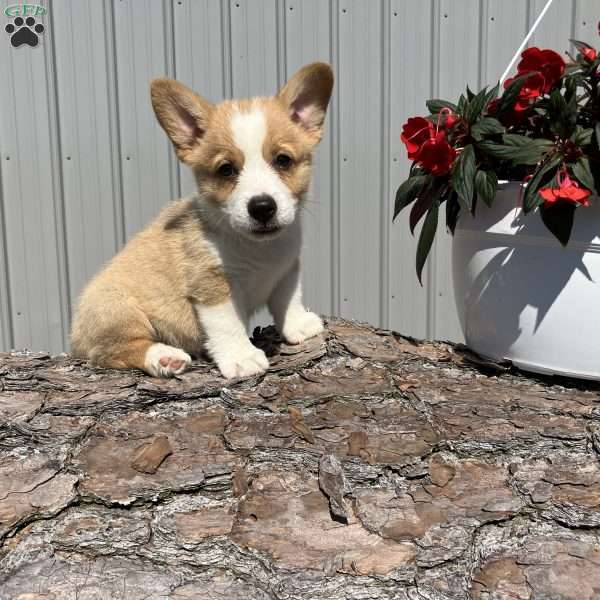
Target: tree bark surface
point(364, 465)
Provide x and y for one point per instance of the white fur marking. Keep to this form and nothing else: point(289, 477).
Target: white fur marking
point(227, 342)
point(293, 321)
point(257, 176)
point(156, 352)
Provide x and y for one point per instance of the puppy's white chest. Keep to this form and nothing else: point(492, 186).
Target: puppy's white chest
point(253, 269)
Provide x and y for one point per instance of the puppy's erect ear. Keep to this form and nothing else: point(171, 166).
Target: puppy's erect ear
point(182, 113)
point(306, 96)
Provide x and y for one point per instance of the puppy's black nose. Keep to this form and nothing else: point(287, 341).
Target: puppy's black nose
point(262, 207)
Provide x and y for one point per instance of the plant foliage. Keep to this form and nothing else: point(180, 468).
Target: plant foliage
point(543, 130)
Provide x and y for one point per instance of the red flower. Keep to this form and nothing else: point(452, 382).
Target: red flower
point(492, 107)
point(436, 155)
point(451, 120)
point(532, 88)
point(546, 62)
point(415, 132)
point(589, 53)
point(567, 190)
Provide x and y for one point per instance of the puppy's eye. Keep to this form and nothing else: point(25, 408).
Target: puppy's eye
point(283, 162)
point(226, 170)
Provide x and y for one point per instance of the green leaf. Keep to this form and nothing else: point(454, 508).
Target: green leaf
point(433, 192)
point(452, 211)
point(436, 105)
point(562, 115)
point(581, 136)
point(583, 174)
point(408, 191)
point(492, 94)
point(486, 126)
point(541, 177)
point(597, 131)
point(470, 94)
point(558, 218)
point(463, 176)
point(426, 238)
point(581, 46)
point(486, 184)
point(570, 88)
point(515, 139)
point(475, 106)
point(510, 95)
point(422, 205)
point(462, 105)
point(517, 148)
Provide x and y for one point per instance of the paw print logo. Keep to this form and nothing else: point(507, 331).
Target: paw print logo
point(24, 32)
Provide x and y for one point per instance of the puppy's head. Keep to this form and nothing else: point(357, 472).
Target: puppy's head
point(251, 158)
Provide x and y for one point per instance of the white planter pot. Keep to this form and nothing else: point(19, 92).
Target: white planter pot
point(521, 296)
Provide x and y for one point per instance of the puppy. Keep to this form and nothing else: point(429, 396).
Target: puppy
point(192, 279)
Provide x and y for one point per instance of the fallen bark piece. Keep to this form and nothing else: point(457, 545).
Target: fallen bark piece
point(149, 457)
point(332, 484)
point(299, 425)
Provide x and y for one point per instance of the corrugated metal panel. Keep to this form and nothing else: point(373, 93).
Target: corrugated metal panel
point(84, 164)
point(410, 75)
point(91, 200)
point(31, 186)
point(359, 86)
point(308, 25)
point(144, 50)
point(254, 47)
point(202, 61)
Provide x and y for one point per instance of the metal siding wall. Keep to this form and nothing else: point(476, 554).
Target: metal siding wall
point(143, 51)
point(254, 48)
point(359, 86)
point(32, 200)
point(201, 57)
point(91, 201)
point(411, 54)
point(84, 165)
point(308, 27)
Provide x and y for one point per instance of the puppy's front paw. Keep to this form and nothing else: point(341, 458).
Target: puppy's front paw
point(166, 361)
point(245, 361)
point(302, 326)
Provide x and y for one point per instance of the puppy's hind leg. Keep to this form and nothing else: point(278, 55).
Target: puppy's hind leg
point(122, 337)
point(155, 358)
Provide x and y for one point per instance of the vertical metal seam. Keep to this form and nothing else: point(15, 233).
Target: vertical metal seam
point(8, 341)
point(280, 24)
point(226, 49)
point(385, 249)
point(64, 287)
point(335, 164)
point(170, 59)
point(434, 83)
point(18, 179)
point(529, 17)
point(114, 124)
point(482, 42)
point(574, 11)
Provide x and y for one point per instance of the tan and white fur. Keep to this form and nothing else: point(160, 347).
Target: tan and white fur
point(192, 279)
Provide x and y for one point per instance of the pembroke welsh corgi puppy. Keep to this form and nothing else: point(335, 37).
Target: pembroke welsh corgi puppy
point(191, 280)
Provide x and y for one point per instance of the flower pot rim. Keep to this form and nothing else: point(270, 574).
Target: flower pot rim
point(505, 183)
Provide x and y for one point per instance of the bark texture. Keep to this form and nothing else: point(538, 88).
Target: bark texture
point(362, 466)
